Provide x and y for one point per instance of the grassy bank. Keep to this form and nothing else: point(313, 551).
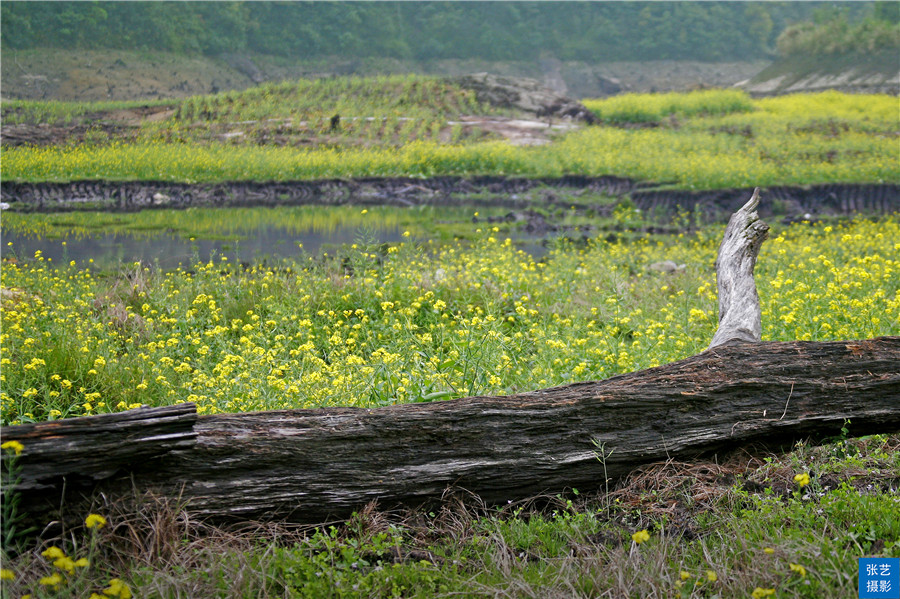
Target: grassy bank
point(703, 140)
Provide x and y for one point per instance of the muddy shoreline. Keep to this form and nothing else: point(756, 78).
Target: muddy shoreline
point(578, 191)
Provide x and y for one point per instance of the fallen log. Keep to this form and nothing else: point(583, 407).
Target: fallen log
point(315, 465)
point(311, 465)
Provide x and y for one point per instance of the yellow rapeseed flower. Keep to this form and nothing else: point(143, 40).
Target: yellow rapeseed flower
point(117, 588)
point(65, 563)
point(95, 520)
point(802, 479)
point(711, 576)
point(640, 536)
point(6, 574)
point(14, 445)
point(53, 553)
point(798, 569)
point(53, 580)
point(759, 593)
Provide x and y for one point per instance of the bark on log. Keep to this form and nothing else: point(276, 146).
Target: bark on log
point(95, 448)
point(313, 465)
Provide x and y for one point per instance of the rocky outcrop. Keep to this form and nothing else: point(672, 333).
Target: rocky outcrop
point(524, 94)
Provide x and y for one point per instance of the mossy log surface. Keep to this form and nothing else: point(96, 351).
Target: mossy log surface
point(317, 465)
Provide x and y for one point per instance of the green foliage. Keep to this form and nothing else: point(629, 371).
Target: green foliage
point(839, 36)
point(331, 565)
point(588, 31)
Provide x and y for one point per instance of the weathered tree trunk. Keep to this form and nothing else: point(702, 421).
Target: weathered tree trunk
point(740, 318)
point(312, 465)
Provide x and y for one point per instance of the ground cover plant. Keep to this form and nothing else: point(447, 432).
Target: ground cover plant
point(702, 140)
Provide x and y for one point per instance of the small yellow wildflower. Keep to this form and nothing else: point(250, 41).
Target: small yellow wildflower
point(798, 569)
point(640, 536)
point(51, 581)
point(53, 553)
point(6, 574)
point(14, 445)
point(711, 576)
point(117, 588)
point(95, 520)
point(82, 563)
point(769, 550)
point(65, 563)
point(759, 593)
point(802, 479)
point(684, 575)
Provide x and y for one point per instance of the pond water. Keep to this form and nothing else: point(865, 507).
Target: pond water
point(170, 239)
point(171, 250)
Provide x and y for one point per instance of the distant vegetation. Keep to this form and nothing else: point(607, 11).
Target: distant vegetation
point(589, 31)
point(838, 35)
point(403, 126)
point(650, 108)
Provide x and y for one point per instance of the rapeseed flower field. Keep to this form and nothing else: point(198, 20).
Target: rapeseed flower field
point(702, 140)
point(412, 322)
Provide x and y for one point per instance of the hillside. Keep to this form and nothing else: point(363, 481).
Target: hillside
point(95, 75)
point(877, 73)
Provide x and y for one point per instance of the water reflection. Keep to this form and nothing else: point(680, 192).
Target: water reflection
point(109, 251)
point(170, 238)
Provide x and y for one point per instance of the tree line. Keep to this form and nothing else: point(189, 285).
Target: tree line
point(587, 31)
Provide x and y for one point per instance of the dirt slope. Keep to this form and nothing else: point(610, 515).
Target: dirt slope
point(873, 74)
